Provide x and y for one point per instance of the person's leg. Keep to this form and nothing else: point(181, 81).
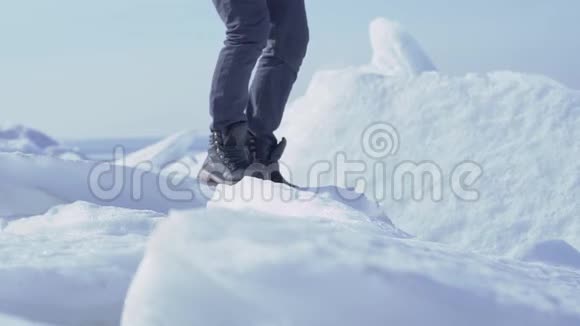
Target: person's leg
point(275, 75)
point(247, 30)
point(279, 65)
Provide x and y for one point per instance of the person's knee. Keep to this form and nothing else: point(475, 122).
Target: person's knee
point(293, 46)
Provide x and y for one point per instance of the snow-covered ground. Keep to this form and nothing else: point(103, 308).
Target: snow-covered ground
point(315, 267)
point(78, 249)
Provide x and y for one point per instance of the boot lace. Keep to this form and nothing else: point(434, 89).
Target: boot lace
point(233, 157)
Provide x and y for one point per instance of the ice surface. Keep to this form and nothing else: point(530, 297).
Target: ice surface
point(45, 181)
point(72, 265)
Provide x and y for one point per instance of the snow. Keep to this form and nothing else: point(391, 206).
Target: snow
point(342, 250)
point(334, 204)
point(521, 130)
point(336, 268)
point(17, 138)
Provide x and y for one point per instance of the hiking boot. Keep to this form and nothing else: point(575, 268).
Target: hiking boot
point(265, 154)
point(227, 156)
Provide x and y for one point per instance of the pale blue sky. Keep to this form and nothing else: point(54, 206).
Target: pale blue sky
point(77, 68)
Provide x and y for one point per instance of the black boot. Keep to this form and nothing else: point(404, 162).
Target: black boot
point(227, 157)
point(265, 153)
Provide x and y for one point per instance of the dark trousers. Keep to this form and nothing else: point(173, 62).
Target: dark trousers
point(276, 33)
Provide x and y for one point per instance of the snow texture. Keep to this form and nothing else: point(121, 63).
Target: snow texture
point(72, 265)
point(521, 130)
point(321, 267)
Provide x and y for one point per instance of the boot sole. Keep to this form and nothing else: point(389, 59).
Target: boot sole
point(213, 180)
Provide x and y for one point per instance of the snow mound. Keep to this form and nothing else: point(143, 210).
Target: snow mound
point(72, 265)
point(183, 147)
point(277, 269)
point(396, 52)
point(519, 133)
point(17, 138)
point(33, 184)
point(555, 252)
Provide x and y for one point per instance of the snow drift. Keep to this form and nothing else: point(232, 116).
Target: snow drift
point(521, 130)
